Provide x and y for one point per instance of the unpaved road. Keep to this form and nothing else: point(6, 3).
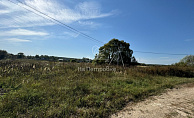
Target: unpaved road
point(175, 103)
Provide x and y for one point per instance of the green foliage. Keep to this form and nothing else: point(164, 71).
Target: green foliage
point(72, 60)
point(113, 50)
point(186, 61)
point(98, 61)
point(3, 54)
point(167, 71)
point(20, 55)
point(37, 56)
point(57, 89)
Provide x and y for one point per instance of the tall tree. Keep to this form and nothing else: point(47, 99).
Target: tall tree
point(115, 51)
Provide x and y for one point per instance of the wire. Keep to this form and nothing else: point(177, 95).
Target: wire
point(53, 19)
point(71, 28)
point(160, 53)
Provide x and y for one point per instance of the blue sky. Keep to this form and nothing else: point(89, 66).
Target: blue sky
point(162, 26)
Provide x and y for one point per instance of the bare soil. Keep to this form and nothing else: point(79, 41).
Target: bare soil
point(175, 103)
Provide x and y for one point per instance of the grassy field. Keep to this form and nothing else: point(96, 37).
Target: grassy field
point(32, 88)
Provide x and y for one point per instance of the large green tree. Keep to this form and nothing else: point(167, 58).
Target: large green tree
point(115, 51)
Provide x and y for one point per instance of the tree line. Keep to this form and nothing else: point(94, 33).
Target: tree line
point(114, 52)
point(5, 55)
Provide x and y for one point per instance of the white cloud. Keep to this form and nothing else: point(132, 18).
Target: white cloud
point(4, 11)
point(89, 23)
point(86, 22)
point(72, 34)
point(22, 32)
point(15, 16)
point(17, 40)
point(90, 10)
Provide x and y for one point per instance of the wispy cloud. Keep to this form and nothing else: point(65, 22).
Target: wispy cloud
point(15, 16)
point(15, 40)
point(72, 34)
point(164, 57)
point(89, 23)
point(86, 22)
point(22, 32)
point(4, 11)
point(188, 40)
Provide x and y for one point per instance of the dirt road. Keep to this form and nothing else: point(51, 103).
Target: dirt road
point(175, 103)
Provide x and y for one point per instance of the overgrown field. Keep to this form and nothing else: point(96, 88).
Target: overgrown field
point(30, 88)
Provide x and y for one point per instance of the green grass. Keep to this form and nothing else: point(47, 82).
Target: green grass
point(56, 89)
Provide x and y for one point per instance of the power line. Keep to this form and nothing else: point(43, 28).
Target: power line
point(160, 53)
point(53, 19)
point(30, 11)
point(45, 16)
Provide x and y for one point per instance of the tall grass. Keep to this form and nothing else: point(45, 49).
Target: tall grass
point(57, 89)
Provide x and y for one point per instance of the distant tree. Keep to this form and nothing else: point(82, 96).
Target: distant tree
point(29, 57)
point(83, 59)
point(72, 60)
point(52, 58)
point(114, 51)
point(20, 55)
point(44, 57)
point(3, 54)
point(11, 56)
point(37, 56)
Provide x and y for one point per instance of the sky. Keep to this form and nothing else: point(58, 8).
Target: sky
point(160, 26)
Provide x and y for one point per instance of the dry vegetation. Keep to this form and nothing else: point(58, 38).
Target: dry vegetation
point(32, 88)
